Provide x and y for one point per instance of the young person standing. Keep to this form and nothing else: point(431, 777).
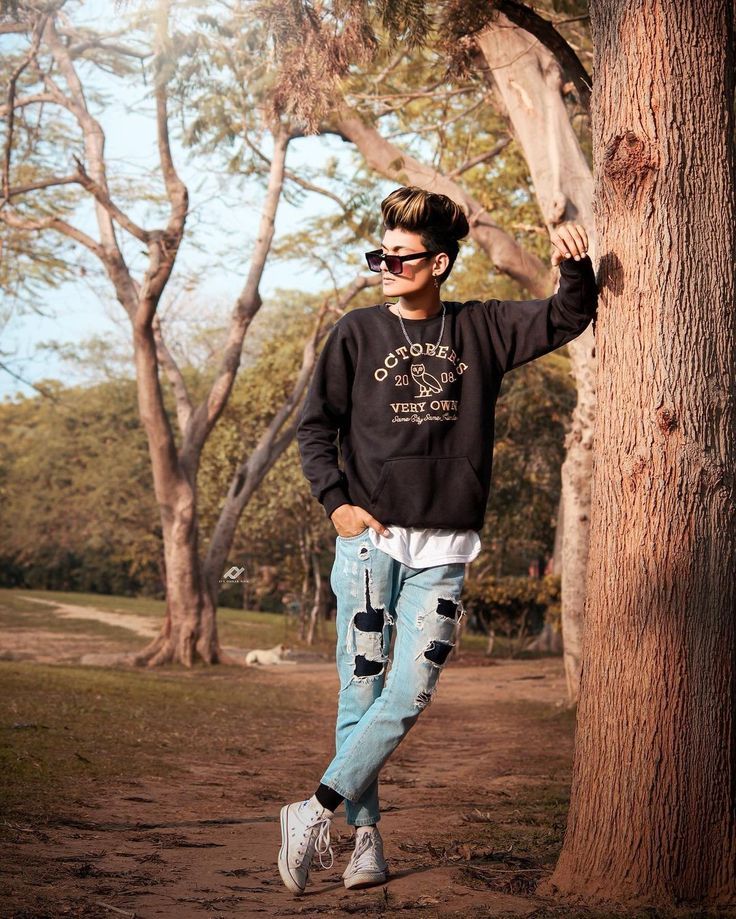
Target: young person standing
point(408, 391)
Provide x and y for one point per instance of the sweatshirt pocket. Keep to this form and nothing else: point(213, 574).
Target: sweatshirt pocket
point(429, 491)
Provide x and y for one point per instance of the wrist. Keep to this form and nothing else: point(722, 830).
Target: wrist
point(333, 498)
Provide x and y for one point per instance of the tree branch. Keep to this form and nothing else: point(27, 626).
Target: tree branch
point(101, 43)
point(442, 124)
point(14, 77)
point(15, 28)
point(94, 138)
point(104, 199)
point(163, 246)
point(28, 100)
point(480, 158)
point(52, 223)
point(542, 29)
point(175, 377)
point(39, 387)
point(246, 306)
point(49, 182)
point(292, 176)
point(408, 97)
point(390, 67)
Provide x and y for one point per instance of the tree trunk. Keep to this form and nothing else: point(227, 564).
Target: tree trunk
point(528, 82)
point(653, 808)
point(577, 474)
point(548, 641)
point(317, 603)
point(304, 543)
point(189, 630)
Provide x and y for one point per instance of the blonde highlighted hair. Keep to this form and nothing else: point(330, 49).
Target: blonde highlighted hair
point(438, 219)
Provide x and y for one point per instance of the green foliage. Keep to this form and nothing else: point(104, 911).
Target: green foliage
point(29, 265)
point(532, 417)
point(75, 470)
point(512, 606)
point(76, 491)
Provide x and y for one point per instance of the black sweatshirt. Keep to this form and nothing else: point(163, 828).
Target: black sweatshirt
point(415, 426)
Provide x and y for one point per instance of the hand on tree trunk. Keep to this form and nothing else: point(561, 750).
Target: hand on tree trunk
point(570, 241)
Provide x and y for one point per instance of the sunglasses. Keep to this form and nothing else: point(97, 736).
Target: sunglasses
point(394, 263)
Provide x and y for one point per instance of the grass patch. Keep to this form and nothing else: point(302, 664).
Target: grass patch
point(142, 606)
point(237, 627)
point(17, 613)
point(68, 730)
point(529, 823)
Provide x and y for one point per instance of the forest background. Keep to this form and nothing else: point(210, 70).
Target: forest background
point(74, 461)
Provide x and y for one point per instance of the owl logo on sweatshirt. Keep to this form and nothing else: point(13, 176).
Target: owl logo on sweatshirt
point(426, 382)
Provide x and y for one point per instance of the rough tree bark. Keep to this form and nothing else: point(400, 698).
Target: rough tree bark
point(653, 809)
point(317, 597)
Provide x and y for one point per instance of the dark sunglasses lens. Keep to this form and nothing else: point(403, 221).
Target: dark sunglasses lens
point(393, 262)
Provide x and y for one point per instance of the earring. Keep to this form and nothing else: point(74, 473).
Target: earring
point(436, 281)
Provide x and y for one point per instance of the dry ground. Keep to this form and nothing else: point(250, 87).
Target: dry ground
point(133, 793)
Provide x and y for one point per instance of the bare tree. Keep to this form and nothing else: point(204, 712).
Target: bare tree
point(189, 630)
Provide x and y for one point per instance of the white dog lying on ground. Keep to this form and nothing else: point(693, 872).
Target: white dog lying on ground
point(273, 655)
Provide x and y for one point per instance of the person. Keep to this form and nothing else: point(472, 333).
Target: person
point(408, 391)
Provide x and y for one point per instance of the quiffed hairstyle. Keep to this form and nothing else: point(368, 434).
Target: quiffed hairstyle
point(439, 221)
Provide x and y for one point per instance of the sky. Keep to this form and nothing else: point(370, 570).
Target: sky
point(70, 313)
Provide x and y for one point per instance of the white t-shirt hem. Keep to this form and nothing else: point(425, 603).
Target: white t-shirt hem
point(426, 540)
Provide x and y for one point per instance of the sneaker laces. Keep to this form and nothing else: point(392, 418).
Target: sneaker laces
point(322, 840)
point(365, 842)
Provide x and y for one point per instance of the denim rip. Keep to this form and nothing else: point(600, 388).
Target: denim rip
point(437, 650)
point(366, 632)
point(366, 638)
point(365, 612)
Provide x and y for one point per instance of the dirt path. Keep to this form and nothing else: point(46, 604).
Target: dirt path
point(141, 625)
point(205, 843)
point(54, 647)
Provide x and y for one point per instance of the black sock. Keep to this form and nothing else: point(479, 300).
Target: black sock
point(328, 797)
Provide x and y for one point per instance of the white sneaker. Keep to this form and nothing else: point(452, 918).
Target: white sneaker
point(367, 864)
point(305, 829)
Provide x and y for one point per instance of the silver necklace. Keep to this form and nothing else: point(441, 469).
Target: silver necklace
point(442, 327)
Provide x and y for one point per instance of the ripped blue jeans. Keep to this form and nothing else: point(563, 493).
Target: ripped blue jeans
point(379, 700)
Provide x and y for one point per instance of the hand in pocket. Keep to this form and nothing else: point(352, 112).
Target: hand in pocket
point(351, 520)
